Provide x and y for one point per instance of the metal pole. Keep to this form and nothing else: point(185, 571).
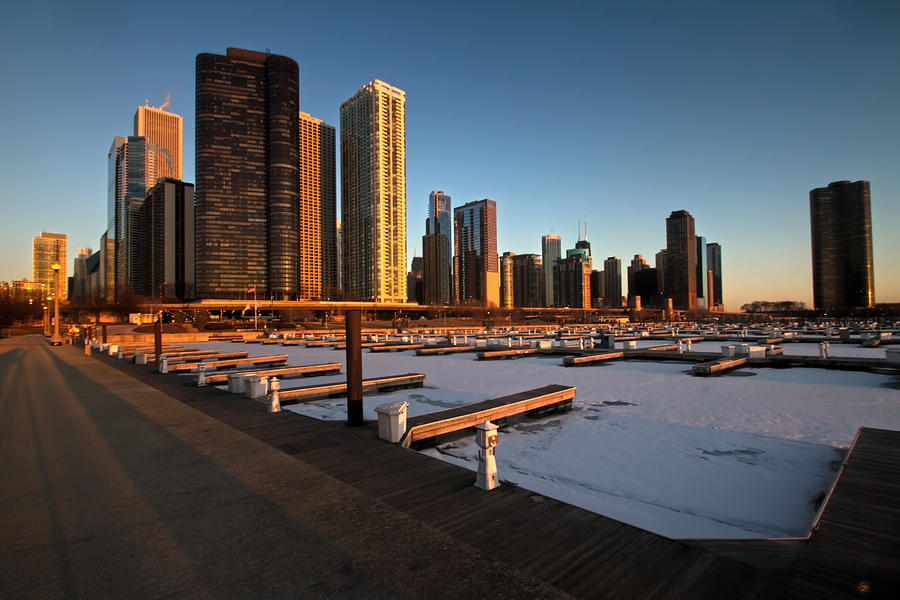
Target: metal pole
point(254, 309)
point(354, 368)
point(55, 340)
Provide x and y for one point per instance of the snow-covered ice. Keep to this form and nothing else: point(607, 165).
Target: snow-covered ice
point(745, 455)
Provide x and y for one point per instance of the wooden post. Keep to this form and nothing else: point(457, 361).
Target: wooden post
point(354, 368)
point(103, 333)
point(157, 337)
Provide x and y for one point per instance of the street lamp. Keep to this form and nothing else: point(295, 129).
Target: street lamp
point(56, 340)
point(46, 321)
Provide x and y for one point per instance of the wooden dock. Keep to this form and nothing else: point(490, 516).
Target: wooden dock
point(283, 372)
point(229, 363)
point(591, 359)
point(469, 415)
point(720, 365)
point(507, 353)
point(371, 385)
point(194, 357)
point(395, 347)
point(581, 553)
point(439, 350)
point(854, 549)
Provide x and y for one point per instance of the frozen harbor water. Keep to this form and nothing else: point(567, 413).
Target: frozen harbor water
point(746, 455)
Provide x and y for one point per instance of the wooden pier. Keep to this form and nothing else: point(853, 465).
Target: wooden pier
point(395, 347)
point(720, 365)
point(591, 359)
point(229, 363)
point(371, 385)
point(283, 372)
point(507, 353)
point(439, 350)
point(469, 415)
point(585, 554)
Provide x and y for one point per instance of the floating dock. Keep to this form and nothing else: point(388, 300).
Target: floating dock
point(469, 415)
point(372, 385)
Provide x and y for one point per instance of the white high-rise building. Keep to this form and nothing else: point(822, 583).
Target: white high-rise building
point(373, 193)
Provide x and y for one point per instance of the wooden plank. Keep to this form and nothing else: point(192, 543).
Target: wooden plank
point(438, 350)
point(509, 353)
point(303, 370)
point(229, 363)
point(590, 359)
point(469, 415)
point(395, 347)
point(198, 357)
point(719, 365)
point(371, 385)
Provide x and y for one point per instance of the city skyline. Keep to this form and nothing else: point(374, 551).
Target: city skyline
point(651, 119)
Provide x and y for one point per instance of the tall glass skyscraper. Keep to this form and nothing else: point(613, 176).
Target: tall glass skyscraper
point(714, 264)
point(702, 284)
point(436, 249)
point(681, 260)
point(476, 265)
point(49, 249)
point(373, 193)
point(841, 232)
point(551, 252)
point(247, 200)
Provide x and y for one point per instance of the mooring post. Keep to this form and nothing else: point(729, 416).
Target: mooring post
point(103, 333)
point(354, 368)
point(157, 337)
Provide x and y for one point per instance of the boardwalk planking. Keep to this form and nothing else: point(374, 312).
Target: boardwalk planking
point(284, 372)
point(584, 554)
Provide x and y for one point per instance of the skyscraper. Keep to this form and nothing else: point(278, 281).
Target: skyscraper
point(318, 207)
point(528, 280)
point(49, 249)
point(714, 264)
point(163, 236)
point(507, 280)
point(164, 130)
point(702, 285)
point(681, 261)
point(247, 199)
point(476, 268)
point(637, 264)
point(80, 283)
point(132, 165)
point(612, 270)
point(551, 251)
point(435, 276)
point(373, 192)
point(438, 223)
point(574, 287)
point(841, 232)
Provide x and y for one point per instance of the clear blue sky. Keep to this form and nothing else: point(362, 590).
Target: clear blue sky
point(612, 112)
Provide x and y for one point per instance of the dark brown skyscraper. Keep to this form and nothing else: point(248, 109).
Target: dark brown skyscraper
point(841, 228)
point(247, 206)
point(681, 260)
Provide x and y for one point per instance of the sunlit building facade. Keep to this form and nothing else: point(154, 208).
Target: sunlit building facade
point(507, 280)
point(373, 193)
point(476, 264)
point(551, 252)
point(714, 264)
point(438, 223)
point(318, 198)
point(50, 249)
point(163, 130)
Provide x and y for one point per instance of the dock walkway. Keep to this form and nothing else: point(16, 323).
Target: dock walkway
point(469, 415)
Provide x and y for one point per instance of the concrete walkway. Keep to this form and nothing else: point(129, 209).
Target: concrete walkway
point(112, 489)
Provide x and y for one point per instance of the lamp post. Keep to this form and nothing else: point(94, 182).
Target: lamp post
point(46, 321)
point(56, 340)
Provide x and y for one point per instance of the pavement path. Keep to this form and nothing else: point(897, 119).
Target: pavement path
point(110, 488)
